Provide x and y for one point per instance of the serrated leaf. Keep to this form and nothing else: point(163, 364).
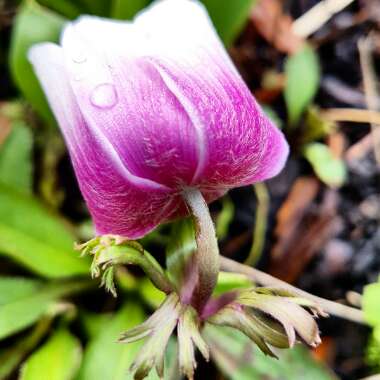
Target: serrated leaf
point(16, 160)
point(229, 16)
point(59, 359)
point(32, 24)
point(127, 9)
point(36, 238)
point(239, 359)
point(329, 169)
point(302, 81)
point(371, 304)
point(22, 312)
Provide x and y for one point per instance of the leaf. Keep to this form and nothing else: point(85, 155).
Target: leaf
point(66, 8)
point(14, 288)
point(239, 359)
point(329, 169)
point(22, 312)
point(179, 250)
point(58, 359)
point(36, 238)
point(33, 24)
point(104, 358)
point(231, 281)
point(16, 160)
point(229, 16)
point(11, 356)
point(224, 218)
point(303, 75)
point(150, 294)
point(371, 304)
point(127, 9)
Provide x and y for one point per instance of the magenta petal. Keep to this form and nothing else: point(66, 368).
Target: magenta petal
point(119, 202)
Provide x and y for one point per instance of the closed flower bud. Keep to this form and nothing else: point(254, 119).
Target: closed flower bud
point(151, 107)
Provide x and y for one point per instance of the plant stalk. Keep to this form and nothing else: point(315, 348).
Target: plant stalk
point(206, 257)
point(331, 307)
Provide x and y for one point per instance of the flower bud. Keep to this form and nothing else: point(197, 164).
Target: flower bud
point(150, 107)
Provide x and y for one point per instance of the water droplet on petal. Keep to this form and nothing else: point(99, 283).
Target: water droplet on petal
point(79, 57)
point(104, 96)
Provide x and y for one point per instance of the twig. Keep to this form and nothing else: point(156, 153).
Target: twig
point(262, 196)
point(265, 279)
point(317, 16)
point(365, 46)
point(351, 115)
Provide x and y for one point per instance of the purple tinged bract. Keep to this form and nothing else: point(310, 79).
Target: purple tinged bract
point(151, 107)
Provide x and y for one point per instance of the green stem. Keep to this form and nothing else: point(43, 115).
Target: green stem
point(207, 255)
point(262, 196)
point(148, 264)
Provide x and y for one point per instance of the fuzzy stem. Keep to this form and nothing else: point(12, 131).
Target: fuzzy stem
point(265, 279)
point(207, 255)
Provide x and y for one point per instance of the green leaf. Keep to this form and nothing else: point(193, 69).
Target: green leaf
point(239, 359)
point(58, 359)
point(224, 218)
point(229, 16)
point(329, 169)
point(65, 8)
point(14, 288)
point(16, 160)
point(36, 238)
point(127, 9)
point(179, 250)
point(22, 312)
point(104, 358)
point(231, 281)
point(150, 294)
point(371, 304)
point(32, 24)
point(303, 75)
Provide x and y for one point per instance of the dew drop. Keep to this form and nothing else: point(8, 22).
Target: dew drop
point(79, 57)
point(104, 96)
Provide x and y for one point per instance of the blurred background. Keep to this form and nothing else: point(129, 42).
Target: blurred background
point(315, 68)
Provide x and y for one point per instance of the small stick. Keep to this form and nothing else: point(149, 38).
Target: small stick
point(365, 46)
point(317, 16)
point(333, 308)
point(352, 115)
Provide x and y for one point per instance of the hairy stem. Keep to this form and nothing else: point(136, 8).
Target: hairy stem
point(265, 279)
point(206, 257)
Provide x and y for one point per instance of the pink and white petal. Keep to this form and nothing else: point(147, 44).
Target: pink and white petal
point(124, 97)
point(119, 202)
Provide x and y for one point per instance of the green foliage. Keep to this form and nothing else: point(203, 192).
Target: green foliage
point(36, 238)
point(59, 359)
point(229, 16)
point(27, 306)
point(16, 159)
point(302, 81)
point(104, 358)
point(179, 250)
point(33, 24)
point(127, 9)
point(66, 8)
point(371, 304)
point(329, 169)
point(371, 310)
point(225, 217)
point(239, 359)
